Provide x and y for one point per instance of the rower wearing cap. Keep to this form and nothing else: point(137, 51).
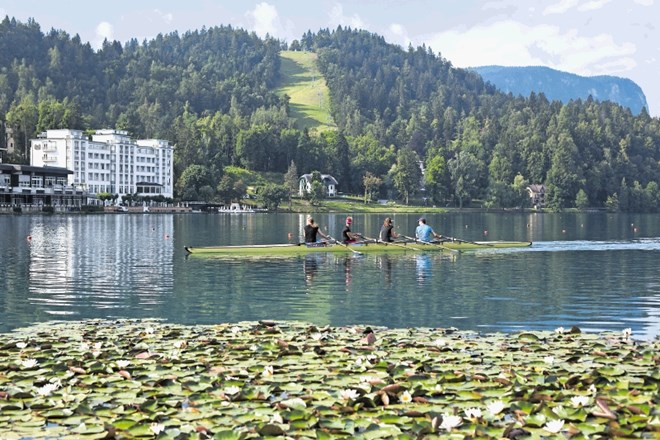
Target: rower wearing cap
point(347, 235)
point(424, 232)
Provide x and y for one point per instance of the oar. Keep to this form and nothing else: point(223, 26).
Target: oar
point(432, 244)
point(345, 245)
point(467, 241)
point(389, 242)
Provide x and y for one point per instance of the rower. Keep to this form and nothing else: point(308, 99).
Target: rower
point(311, 230)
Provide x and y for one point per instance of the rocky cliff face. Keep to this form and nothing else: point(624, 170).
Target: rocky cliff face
point(564, 86)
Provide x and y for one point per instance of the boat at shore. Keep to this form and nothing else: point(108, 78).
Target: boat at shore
point(360, 247)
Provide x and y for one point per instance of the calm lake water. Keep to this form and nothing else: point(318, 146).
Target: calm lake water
point(597, 271)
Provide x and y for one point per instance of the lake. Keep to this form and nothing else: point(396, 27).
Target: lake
point(597, 271)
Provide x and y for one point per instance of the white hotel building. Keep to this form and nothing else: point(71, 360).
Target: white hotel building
point(110, 162)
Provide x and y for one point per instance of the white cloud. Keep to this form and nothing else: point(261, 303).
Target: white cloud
point(266, 20)
point(399, 34)
point(561, 7)
point(104, 31)
point(337, 18)
point(593, 5)
point(644, 2)
point(511, 43)
point(166, 17)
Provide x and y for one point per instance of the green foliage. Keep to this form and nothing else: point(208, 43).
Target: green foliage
point(407, 174)
point(371, 184)
point(272, 195)
point(192, 179)
point(225, 97)
point(581, 200)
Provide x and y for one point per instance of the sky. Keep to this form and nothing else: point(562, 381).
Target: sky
point(585, 37)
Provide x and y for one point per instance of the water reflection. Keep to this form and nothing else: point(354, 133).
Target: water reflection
point(599, 274)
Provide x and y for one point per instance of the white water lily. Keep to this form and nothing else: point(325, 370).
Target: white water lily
point(232, 390)
point(235, 329)
point(439, 342)
point(96, 353)
point(349, 394)
point(406, 397)
point(592, 389)
point(179, 344)
point(47, 389)
point(472, 413)
point(29, 363)
point(277, 418)
point(495, 407)
point(627, 333)
point(149, 330)
point(549, 360)
point(580, 401)
point(84, 346)
point(558, 410)
point(21, 345)
point(157, 428)
point(268, 371)
point(560, 330)
point(450, 422)
point(122, 363)
point(98, 345)
point(554, 426)
point(317, 336)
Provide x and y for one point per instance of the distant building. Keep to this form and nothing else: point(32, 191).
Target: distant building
point(329, 182)
point(537, 195)
point(31, 186)
point(110, 162)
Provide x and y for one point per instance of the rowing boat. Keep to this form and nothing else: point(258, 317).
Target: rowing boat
point(302, 248)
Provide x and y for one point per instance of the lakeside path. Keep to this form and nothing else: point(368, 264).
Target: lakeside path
point(151, 379)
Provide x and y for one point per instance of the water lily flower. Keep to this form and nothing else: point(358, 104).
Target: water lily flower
point(29, 363)
point(317, 336)
point(268, 371)
point(149, 330)
point(157, 428)
point(179, 344)
point(558, 410)
point(232, 390)
point(47, 389)
point(554, 426)
point(627, 333)
point(277, 418)
point(472, 413)
point(122, 363)
point(580, 400)
point(349, 394)
point(560, 330)
point(84, 346)
point(439, 342)
point(592, 389)
point(21, 345)
point(450, 422)
point(96, 353)
point(235, 329)
point(549, 360)
point(98, 345)
point(495, 407)
point(406, 397)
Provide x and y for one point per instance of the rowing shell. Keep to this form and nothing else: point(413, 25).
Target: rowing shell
point(302, 248)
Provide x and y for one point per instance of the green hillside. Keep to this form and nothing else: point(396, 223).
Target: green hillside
point(304, 84)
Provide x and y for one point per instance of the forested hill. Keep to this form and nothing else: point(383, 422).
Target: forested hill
point(564, 86)
point(213, 93)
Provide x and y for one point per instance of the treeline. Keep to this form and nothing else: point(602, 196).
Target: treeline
point(212, 93)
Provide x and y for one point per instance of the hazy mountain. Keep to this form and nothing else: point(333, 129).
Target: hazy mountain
point(564, 86)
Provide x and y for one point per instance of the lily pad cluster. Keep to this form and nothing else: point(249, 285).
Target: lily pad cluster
point(152, 379)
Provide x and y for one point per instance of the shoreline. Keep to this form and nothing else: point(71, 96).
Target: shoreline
point(129, 378)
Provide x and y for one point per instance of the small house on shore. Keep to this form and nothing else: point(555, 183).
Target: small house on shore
point(329, 183)
point(537, 195)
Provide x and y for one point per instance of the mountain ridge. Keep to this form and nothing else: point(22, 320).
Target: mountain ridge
point(564, 86)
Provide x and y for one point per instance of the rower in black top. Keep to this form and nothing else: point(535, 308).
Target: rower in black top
point(387, 232)
point(347, 235)
point(311, 231)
